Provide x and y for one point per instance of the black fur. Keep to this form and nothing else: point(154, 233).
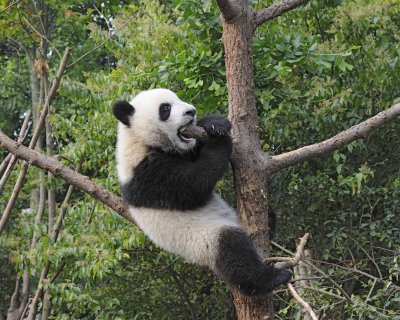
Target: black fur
point(191, 113)
point(239, 265)
point(185, 181)
point(164, 111)
point(181, 181)
point(215, 125)
point(122, 111)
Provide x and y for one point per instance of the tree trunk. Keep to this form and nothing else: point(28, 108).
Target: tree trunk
point(247, 158)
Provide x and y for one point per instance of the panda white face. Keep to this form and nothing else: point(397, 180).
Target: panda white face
point(155, 117)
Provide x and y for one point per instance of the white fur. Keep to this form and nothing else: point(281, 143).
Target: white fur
point(130, 151)
point(146, 124)
point(192, 234)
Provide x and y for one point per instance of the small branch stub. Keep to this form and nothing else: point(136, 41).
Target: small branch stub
point(297, 256)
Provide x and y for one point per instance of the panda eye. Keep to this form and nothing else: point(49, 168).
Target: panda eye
point(165, 111)
point(165, 107)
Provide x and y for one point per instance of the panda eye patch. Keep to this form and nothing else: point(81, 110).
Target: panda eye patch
point(165, 111)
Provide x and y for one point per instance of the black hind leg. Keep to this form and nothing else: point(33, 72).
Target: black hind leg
point(239, 265)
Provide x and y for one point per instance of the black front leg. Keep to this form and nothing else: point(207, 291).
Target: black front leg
point(215, 153)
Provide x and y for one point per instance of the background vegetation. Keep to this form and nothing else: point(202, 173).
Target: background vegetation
point(318, 70)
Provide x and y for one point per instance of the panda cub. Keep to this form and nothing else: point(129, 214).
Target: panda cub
point(167, 180)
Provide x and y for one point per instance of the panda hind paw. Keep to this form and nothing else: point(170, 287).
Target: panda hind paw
point(281, 276)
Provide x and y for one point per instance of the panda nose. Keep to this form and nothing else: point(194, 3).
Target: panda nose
point(191, 112)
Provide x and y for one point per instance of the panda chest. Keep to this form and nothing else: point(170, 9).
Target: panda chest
point(158, 183)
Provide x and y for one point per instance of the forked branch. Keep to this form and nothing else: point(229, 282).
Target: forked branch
point(229, 9)
point(292, 263)
point(297, 256)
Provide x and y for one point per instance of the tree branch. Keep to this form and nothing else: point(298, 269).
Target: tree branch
point(104, 42)
point(302, 302)
point(361, 130)
point(54, 236)
point(276, 10)
point(13, 309)
point(21, 137)
point(292, 263)
point(70, 176)
point(297, 256)
point(35, 137)
point(4, 164)
point(9, 6)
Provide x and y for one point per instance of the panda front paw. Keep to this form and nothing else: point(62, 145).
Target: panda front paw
point(215, 125)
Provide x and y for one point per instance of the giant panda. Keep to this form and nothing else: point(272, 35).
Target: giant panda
point(167, 179)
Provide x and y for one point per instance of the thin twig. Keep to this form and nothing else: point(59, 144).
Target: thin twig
point(349, 300)
point(370, 291)
point(32, 144)
point(21, 137)
point(368, 255)
point(105, 41)
point(302, 302)
point(9, 6)
point(4, 164)
point(57, 273)
point(182, 292)
point(324, 292)
point(64, 206)
point(353, 269)
point(334, 283)
point(43, 37)
point(54, 235)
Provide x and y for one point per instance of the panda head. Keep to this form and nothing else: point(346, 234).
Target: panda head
point(155, 117)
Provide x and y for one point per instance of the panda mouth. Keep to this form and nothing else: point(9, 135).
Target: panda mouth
point(182, 137)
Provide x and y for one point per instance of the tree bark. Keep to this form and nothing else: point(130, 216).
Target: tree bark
point(247, 157)
point(12, 312)
point(239, 23)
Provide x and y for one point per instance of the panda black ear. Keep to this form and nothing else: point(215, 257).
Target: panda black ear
point(122, 111)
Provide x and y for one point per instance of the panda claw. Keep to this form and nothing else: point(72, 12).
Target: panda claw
point(215, 125)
